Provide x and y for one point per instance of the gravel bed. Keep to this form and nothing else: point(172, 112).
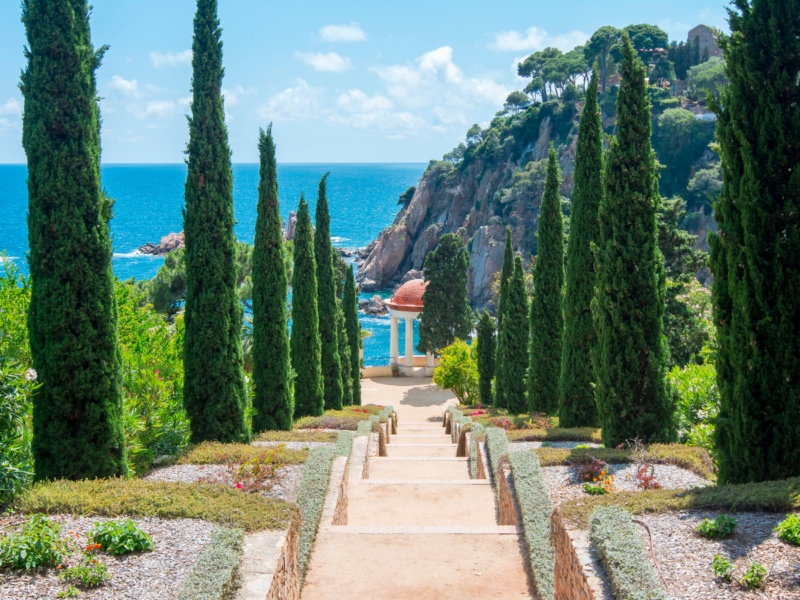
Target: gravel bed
point(562, 485)
point(296, 445)
point(522, 446)
point(685, 557)
point(155, 575)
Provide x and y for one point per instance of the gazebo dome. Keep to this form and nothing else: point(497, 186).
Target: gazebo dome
point(409, 296)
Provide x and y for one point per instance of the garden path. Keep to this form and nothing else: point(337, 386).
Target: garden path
point(418, 528)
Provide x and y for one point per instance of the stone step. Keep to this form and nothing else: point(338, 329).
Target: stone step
point(400, 445)
point(425, 482)
point(423, 470)
point(416, 458)
point(423, 450)
point(427, 529)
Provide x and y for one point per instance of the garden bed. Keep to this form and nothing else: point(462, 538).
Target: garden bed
point(297, 435)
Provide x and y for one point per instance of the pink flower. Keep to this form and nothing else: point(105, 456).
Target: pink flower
point(156, 372)
point(239, 486)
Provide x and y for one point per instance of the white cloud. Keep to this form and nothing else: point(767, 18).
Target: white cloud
point(358, 101)
point(293, 103)
point(232, 96)
point(129, 88)
point(184, 101)
point(330, 62)
point(342, 33)
point(535, 38)
point(159, 59)
point(6, 125)
point(675, 29)
point(11, 107)
point(380, 120)
point(157, 108)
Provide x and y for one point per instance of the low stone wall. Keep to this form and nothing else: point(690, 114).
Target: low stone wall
point(507, 513)
point(575, 575)
point(286, 576)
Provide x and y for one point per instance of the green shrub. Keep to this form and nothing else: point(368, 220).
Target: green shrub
point(620, 550)
point(296, 436)
point(754, 577)
point(69, 592)
point(364, 428)
point(89, 572)
point(556, 434)
point(344, 443)
point(215, 453)
point(214, 576)
point(789, 529)
point(698, 402)
point(497, 446)
point(311, 498)
point(535, 508)
point(458, 371)
point(121, 537)
point(721, 527)
point(38, 545)
point(722, 567)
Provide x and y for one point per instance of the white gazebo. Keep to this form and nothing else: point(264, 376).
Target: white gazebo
point(406, 304)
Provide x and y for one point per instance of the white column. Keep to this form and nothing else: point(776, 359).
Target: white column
point(428, 364)
point(393, 354)
point(410, 343)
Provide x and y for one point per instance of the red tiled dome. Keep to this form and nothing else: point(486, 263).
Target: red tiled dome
point(408, 296)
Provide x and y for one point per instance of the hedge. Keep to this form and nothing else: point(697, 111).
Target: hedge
point(620, 549)
point(214, 576)
point(535, 509)
point(344, 443)
point(364, 428)
point(497, 445)
point(311, 498)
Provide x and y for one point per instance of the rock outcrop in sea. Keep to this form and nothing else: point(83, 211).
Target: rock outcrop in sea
point(168, 243)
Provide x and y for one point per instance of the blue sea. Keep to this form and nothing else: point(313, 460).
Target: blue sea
point(362, 199)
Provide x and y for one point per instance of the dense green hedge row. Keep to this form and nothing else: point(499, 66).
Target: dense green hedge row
point(344, 443)
point(311, 499)
point(535, 509)
point(497, 445)
point(214, 576)
point(614, 537)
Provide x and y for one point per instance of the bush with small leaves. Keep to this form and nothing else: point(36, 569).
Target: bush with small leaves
point(723, 568)
point(789, 529)
point(121, 537)
point(754, 576)
point(721, 527)
point(38, 545)
point(89, 572)
point(68, 592)
point(344, 443)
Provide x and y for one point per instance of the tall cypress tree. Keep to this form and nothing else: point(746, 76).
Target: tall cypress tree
point(72, 317)
point(326, 303)
point(486, 356)
point(353, 327)
point(576, 405)
point(213, 391)
point(630, 356)
point(344, 354)
point(305, 343)
point(273, 396)
point(547, 317)
point(516, 341)
point(505, 277)
point(755, 258)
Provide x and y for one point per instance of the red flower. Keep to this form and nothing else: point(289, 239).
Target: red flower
point(239, 486)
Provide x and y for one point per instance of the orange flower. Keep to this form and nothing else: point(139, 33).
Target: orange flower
point(59, 567)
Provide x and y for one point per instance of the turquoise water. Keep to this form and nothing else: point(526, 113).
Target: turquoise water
point(362, 199)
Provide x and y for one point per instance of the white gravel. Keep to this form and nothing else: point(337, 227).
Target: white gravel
point(155, 575)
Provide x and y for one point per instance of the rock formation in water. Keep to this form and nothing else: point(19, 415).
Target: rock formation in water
point(168, 243)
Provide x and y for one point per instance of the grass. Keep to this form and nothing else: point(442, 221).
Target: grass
point(694, 459)
point(767, 496)
point(296, 436)
point(139, 498)
point(347, 418)
point(555, 434)
point(215, 453)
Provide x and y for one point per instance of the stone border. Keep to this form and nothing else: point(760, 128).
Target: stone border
point(286, 575)
point(578, 574)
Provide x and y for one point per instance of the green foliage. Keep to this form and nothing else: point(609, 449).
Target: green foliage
point(344, 355)
point(599, 46)
point(704, 186)
point(620, 550)
point(214, 389)
point(72, 320)
point(697, 401)
point(515, 341)
point(631, 353)
point(721, 527)
point(754, 577)
point(305, 341)
point(120, 537)
point(215, 574)
point(364, 428)
point(576, 403)
point(755, 257)
point(487, 346)
point(535, 508)
point(37, 545)
point(707, 77)
point(215, 453)
point(723, 569)
point(679, 139)
point(789, 529)
point(458, 371)
point(330, 362)
point(405, 197)
point(446, 314)
point(502, 303)
point(547, 316)
point(516, 101)
point(344, 443)
point(527, 184)
point(664, 70)
point(89, 572)
point(69, 592)
point(353, 328)
point(311, 499)
point(271, 371)
point(496, 446)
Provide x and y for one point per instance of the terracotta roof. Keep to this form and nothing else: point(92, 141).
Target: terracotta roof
point(408, 296)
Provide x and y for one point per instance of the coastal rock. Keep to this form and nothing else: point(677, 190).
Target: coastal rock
point(485, 259)
point(290, 226)
point(410, 276)
point(426, 242)
point(168, 243)
point(385, 258)
point(345, 252)
point(373, 306)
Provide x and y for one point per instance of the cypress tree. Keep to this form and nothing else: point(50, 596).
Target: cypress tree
point(273, 396)
point(576, 404)
point(505, 277)
point(305, 342)
point(213, 391)
point(755, 258)
point(630, 356)
point(486, 351)
point(353, 327)
point(344, 355)
point(547, 317)
point(72, 317)
point(326, 304)
point(516, 341)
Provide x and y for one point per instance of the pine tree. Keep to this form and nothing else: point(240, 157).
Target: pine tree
point(446, 314)
point(505, 277)
point(213, 391)
point(326, 303)
point(547, 317)
point(273, 395)
point(486, 356)
point(516, 341)
point(631, 352)
point(755, 258)
point(353, 327)
point(577, 406)
point(696, 50)
point(344, 355)
point(305, 341)
point(72, 318)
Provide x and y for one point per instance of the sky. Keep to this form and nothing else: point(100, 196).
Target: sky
point(345, 81)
